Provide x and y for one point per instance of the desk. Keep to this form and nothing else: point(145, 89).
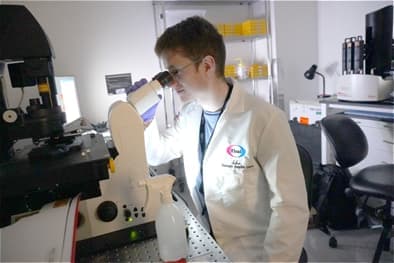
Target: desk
point(376, 121)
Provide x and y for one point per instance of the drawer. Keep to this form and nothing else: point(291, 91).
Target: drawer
point(374, 158)
point(373, 123)
point(379, 139)
point(379, 134)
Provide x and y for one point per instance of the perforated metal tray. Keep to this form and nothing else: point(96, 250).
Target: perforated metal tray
point(202, 247)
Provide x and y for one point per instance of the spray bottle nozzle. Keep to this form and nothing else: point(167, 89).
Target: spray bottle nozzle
point(163, 184)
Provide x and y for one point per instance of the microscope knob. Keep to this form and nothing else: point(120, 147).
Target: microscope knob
point(107, 211)
point(127, 213)
point(10, 116)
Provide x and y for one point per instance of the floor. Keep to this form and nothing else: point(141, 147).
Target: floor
point(353, 246)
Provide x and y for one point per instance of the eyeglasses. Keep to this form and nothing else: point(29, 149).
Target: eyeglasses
point(175, 71)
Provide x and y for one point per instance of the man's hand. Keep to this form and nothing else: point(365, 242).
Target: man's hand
point(149, 115)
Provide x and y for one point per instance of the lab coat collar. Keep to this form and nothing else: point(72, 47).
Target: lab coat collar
point(235, 103)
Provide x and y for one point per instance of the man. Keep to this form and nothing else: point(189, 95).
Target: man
point(241, 162)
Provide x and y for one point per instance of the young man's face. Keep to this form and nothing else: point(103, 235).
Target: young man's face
point(190, 82)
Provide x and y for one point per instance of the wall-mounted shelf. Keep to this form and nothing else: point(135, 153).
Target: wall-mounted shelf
point(253, 79)
point(243, 38)
point(206, 3)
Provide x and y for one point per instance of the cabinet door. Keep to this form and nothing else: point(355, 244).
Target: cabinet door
point(380, 143)
point(379, 134)
point(374, 157)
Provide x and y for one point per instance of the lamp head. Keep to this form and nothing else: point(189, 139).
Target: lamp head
point(310, 73)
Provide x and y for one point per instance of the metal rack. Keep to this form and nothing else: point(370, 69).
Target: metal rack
point(217, 2)
point(249, 7)
point(202, 247)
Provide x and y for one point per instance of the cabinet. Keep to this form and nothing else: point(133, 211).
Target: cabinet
point(253, 49)
point(380, 142)
point(375, 120)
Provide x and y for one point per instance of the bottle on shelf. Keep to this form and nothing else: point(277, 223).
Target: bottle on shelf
point(242, 71)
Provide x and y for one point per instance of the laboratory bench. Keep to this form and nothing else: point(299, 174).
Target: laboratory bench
point(202, 247)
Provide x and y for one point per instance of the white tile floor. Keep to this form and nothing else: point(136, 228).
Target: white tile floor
point(353, 246)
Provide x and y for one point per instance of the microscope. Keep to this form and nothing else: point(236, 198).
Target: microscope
point(115, 208)
point(48, 165)
point(126, 210)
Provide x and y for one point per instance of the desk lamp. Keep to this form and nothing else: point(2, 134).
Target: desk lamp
point(310, 74)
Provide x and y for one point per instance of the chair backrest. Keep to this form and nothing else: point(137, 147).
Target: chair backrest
point(348, 140)
point(307, 169)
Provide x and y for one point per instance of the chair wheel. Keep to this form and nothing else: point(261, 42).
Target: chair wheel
point(333, 242)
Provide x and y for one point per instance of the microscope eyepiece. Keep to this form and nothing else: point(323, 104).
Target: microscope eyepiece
point(164, 78)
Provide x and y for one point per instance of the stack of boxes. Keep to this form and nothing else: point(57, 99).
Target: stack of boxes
point(248, 28)
point(258, 71)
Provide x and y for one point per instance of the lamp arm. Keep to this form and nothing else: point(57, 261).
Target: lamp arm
point(324, 82)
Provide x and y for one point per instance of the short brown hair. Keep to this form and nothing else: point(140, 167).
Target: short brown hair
point(196, 38)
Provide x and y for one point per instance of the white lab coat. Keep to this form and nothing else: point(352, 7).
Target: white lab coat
point(255, 196)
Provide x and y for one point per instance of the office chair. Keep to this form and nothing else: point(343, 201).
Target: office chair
point(307, 169)
point(350, 147)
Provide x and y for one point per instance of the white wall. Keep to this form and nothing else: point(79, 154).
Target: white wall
point(336, 21)
point(295, 47)
point(92, 39)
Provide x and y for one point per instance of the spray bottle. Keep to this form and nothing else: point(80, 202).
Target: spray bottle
point(170, 223)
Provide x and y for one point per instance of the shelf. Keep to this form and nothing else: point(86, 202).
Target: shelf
point(251, 79)
point(208, 3)
point(243, 38)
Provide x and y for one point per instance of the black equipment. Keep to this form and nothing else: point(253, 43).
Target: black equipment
point(336, 210)
point(379, 41)
point(51, 165)
point(30, 49)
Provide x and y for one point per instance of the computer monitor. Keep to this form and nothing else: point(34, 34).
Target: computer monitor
point(68, 97)
point(379, 39)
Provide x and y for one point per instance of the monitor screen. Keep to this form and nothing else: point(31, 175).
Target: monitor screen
point(379, 41)
point(118, 83)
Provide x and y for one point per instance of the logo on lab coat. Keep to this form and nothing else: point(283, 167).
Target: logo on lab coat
point(236, 151)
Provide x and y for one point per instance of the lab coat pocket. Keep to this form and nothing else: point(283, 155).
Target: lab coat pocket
point(255, 189)
point(232, 190)
point(235, 176)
